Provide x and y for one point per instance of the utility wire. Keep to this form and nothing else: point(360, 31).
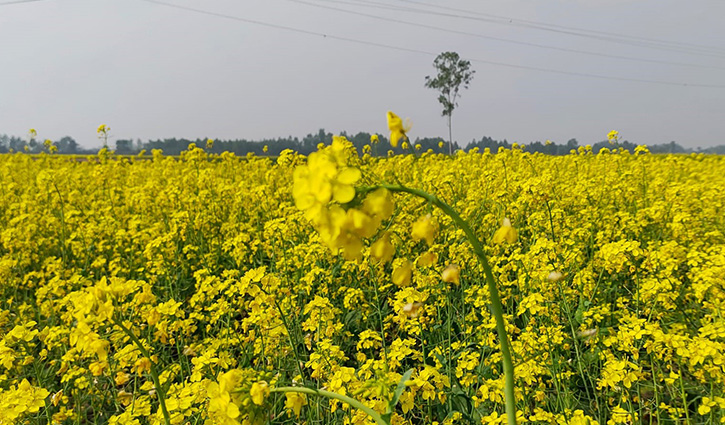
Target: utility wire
point(405, 49)
point(7, 3)
point(584, 30)
point(506, 40)
point(659, 45)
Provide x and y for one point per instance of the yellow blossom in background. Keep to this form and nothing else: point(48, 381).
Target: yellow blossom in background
point(412, 310)
point(294, 402)
point(402, 272)
point(613, 136)
point(426, 259)
point(554, 276)
point(425, 228)
point(506, 233)
point(451, 274)
point(382, 250)
point(398, 130)
point(441, 144)
point(259, 392)
point(19, 401)
point(374, 139)
point(209, 143)
point(265, 149)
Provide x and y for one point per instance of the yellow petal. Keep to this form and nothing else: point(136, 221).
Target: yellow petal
point(343, 193)
point(506, 233)
point(349, 175)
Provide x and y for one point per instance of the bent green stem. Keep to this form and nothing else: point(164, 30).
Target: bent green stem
point(496, 305)
point(153, 372)
point(345, 399)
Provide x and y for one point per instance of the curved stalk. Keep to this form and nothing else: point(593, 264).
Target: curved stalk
point(345, 399)
point(496, 305)
point(153, 372)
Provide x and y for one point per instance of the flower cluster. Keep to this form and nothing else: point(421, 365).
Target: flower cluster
point(330, 175)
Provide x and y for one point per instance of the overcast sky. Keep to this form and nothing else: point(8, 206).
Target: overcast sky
point(151, 71)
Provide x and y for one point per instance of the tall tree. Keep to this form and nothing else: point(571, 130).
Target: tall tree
point(67, 145)
point(452, 73)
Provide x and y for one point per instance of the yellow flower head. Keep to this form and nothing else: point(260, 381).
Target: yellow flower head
point(259, 391)
point(424, 228)
point(506, 233)
point(426, 259)
point(294, 402)
point(402, 272)
point(209, 143)
point(451, 274)
point(441, 144)
point(103, 128)
point(613, 136)
point(412, 310)
point(374, 139)
point(265, 149)
point(398, 129)
point(382, 250)
point(32, 133)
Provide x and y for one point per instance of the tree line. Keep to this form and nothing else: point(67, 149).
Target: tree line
point(308, 144)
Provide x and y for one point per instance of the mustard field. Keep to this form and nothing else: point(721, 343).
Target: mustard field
point(347, 289)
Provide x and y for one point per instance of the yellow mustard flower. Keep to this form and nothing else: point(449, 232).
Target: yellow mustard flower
point(294, 402)
point(402, 272)
point(506, 233)
point(451, 274)
point(382, 250)
point(424, 228)
point(398, 129)
point(259, 392)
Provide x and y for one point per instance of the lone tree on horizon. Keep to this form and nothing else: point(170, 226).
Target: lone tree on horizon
point(452, 73)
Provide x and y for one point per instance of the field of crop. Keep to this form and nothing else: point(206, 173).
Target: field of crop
point(212, 289)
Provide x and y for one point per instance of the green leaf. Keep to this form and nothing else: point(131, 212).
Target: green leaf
point(399, 391)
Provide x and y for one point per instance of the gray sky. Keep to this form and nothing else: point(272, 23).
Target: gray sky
point(153, 71)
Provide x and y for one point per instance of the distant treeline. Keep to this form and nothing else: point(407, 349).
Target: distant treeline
point(309, 143)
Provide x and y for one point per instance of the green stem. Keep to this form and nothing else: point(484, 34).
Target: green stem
point(345, 399)
point(153, 372)
point(496, 305)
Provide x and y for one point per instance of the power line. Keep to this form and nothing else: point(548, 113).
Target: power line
point(506, 40)
point(659, 45)
point(405, 49)
point(6, 3)
point(285, 27)
point(611, 34)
